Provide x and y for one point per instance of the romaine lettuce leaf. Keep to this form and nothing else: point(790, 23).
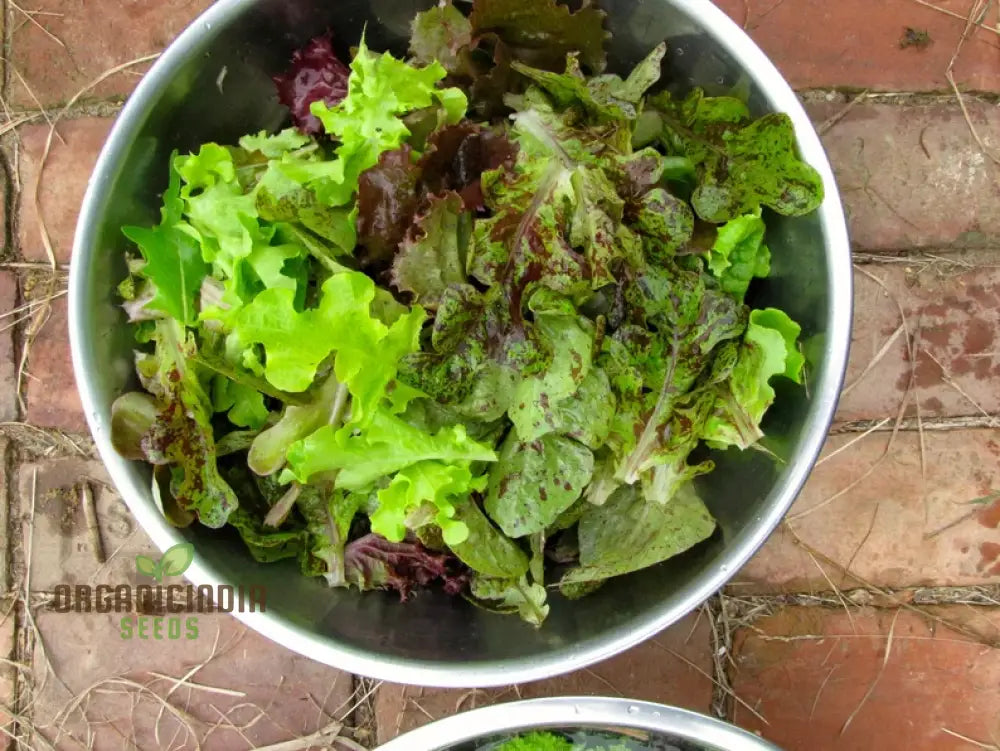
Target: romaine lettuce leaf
point(629, 533)
point(532, 483)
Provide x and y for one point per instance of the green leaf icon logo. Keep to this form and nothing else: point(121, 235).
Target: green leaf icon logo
point(175, 561)
point(146, 565)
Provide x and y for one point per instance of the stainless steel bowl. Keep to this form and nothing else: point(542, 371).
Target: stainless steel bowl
point(675, 729)
point(213, 83)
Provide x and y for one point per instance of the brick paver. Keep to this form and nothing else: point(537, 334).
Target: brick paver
point(671, 668)
point(856, 43)
point(912, 177)
point(8, 304)
point(4, 514)
point(82, 39)
point(62, 541)
point(7, 675)
point(953, 316)
point(50, 387)
point(61, 185)
point(925, 531)
point(268, 692)
point(822, 680)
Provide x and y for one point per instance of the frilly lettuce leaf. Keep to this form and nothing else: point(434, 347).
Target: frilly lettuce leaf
point(366, 122)
point(385, 446)
point(426, 482)
point(295, 343)
point(739, 254)
point(769, 348)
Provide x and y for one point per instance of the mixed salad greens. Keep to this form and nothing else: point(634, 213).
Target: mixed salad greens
point(466, 321)
point(541, 740)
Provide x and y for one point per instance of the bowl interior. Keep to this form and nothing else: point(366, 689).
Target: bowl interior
point(214, 84)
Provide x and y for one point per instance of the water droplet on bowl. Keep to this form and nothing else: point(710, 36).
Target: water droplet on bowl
point(633, 709)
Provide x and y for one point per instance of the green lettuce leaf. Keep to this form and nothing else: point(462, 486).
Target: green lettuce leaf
point(438, 34)
point(366, 122)
point(326, 406)
point(295, 343)
point(570, 337)
point(486, 550)
point(533, 483)
point(173, 258)
point(629, 533)
point(426, 482)
point(512, 596)
point(739, 254)
point(387, 445)
point(769, 348)
point(264, 543)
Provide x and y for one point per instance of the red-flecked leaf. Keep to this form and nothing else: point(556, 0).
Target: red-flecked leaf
point(432, 256)
point(316, 74)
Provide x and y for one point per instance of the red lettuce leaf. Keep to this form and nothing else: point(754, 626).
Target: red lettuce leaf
point(397, 190)
point(542, 32)
point(388, 199)
point(457, 156)
point(372, 562)
point(316, 74)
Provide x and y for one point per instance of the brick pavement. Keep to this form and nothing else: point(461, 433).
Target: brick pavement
point(915, 518)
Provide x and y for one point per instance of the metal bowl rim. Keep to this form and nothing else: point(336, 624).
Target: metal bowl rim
point(826, 387)
point(576, 711)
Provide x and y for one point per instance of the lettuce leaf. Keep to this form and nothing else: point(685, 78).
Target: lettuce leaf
point(173, 258)
point(366, 122)
point(316, 74)
point(182, 434)
point(387, 445)
point(769, 348)
point(739, 254)
point(425, 482)
point(295, 343)
point(532, 483)
point(371, 562)
point(628, 533)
